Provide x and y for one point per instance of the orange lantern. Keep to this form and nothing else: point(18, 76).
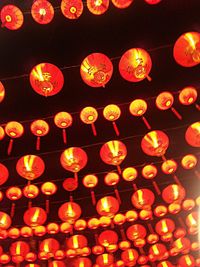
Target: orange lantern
point(192, 221)
point(112, 113)
point(2, 133)
point(80, 225)
point(187, 49)
point(129, 174)
point(11, 17)
point(136, 231)
point(158, 252)
point(59, 255)
point(69, 212)
point(98, 250)
point(46, 79)
point(83, 262)
point(188, 96)
point(73, 159)
point(107, 206)
point(65, 228)
point(164, 227)
point(63, 120)
point(130, 257)
point(122, 3)
point(153, 2)
point(35, 216)
point(155, 143)
point(137, 108)
point(30, 191)
point(107, 238)
point(52, 228)
point(3, 174)
point(135, 65)
point(5, 221)
point(13, 233)
point(96, 69)
point(131, 215)
point(42, 11)
point(13, 129)
point(72, 9)
point(192, 134)
point(112, 179)
point(169, 167)
point(186, 261)
point(39, 128)
point(182, 245)
point(26, 231)
point(49, 246)
point(180, 232)
point(105, 260)
point(18, 250)
point(173, 194)
point(113, 153)
point(32, 265)
point(2, 92)
point(93, 223)
point(105, 221)
point(5, 258)
point(150, 172)
point(143, 199)
point(97, 7)
point(1, 196)
point(13, 193)
point(76, 242)
point(165, 101)
point(39, 230)
point(89, 115)
point(30, 167)
point(189, 161)
point(48, 188)
point(90, 181)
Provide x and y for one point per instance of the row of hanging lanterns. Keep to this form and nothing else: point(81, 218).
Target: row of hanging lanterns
point(42, 11)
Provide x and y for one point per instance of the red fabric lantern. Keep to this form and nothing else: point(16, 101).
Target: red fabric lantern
point(5, 258)
point(48, 189)
point(90, 181)
point(112, 179)
point(182, 245)
point(89, 115)
point(158, 252)
point(143, 199)
point(72, 9)
point(188, 96)
point(2, 92)
point(130, 257)
point(105, 260)
point(39, 128)
point(3, 174)
point(46, 79)
point(18, 250)
point(112, 113)
point(96, 69)
point(35, 216)
point(97, 7)
point(13, 129)
point(136, 231)
point(192, 134)
point(26, 231)
point(31, 191)
point(165, 226)
point(5, 221)
point(173, 194)
point(69, 212)
point(160, 211)
point(150, 172)
point(52, 228)
point(187, 49)
point(76, 242)
point(13, 193)
point(122, 3)
point(107, 238)
point(11, 17)
point(63, 120)
point(186, 261)
point(56, 264)
point(70, 184)
point(32, 265)
point(13, 233)
point(42, 11)
point(107, 206)
point(80, 225)
point(49, 246)
point(152, 2)
point(135, 65)
point(169, 167)
point(39, 230)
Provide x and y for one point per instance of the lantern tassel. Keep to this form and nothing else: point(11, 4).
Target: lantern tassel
point(115, 128)
point(47, 205)
point(146, 123)
point(164, 158)
point(176, 113)
point(93, 198)
point(10, 146)
point(182, 224)
point(117, 195)
point(76, 177)
point(156, 187)
point(197, 106)
point(135, 187)
point(150, 227)
point(38, 143)
point(197, 174)
point(64, 134)
point(12, 211)
point(29, 204)
point(71, 198)
point(141, 250)
point(122, 233)
point(176, 179)
point(119, 169)
point(149, 78)
point(96, 239)
point(94, 129)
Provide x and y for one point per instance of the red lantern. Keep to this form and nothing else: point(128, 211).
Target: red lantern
point(49, 246)
point(5, 258)
point(13, 193)
point(173, 194)
point(39, 230)
point(192, 221)
point(112, 179)
point(18, 250)
point(160, 211)
point(136, 231)
point(107, 206)
point(107, 238)
point(72, 9)
point(30, 191)
point(169, 167)
point(5, 221)
point(105, 260)
point(152, 2)
point(188, 96)
point(13, 233)
point(89, 115)
point(150, 172)
point(182, 245)
point(122, 3)
point(129, 174)
point(97, 7)
point(66, 228)
point(189, 161)
point(2, 92)
point(158, 252)
point(165, 264)
point(113, 153)
point(39, 128)
point(42, 11)
point(164, 227)
point(80, 225)
point(2, 133)
point(35, 216)
point(70, 184)
point(48, 189)
point(192, 134)
point(96, 69)
point(13, 129)
point(11, 17)
point(32, 265)
point(143, 199)
point(59, 255)
point(93, 223)
point(186, 261)
point(46, 79)
point(69, 212)
point(135, 65)
point(187, 49)
point(26, 231)
point(112, 113)
point(83, 262)
point(3, 174)
point(77, 242)
point(90, 181)
point(130, 257)
point(63, 120)
point(165, 101)
point(52, 228)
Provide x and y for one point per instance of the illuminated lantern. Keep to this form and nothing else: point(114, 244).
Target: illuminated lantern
point(46, 79)
point(76, 242)
point(72, 9)
point(165, 264)
point(153, 2)
point(119, 219)
point(5, 221)
point(112, 179)
point(13, 193)
point(105, 221)
point(192, 134)
point(180, 232)
point(63, 120)
point(129, 257)
point(155, 143)
point(39, 128)
point(59, 255)
point(73, 159)
point(129, 174)
point(56, 264)
point(48, 189)
point(112, 113)
point(3, 233)
point(90, 181)
point(188, 204)
point(182, 245)
point(18, 250)
point(30, 167)
point(158, 252)
point(136, 231)
point(70, 184)
point(11, 17)
point(188, 96)
point(14, 130)
point(49, 246)
point(65, 227)
point(2, 92)
point(150, 172)
point(39, 230)
point(165, 101)
point(2, 133)
point(89, 115)
point(153, 237)
point(52, 228)
point(143, 199)
point(107, 238)
point(30, 191)
point(189, 161)
point(137, 108)
point(26, 231)
point(83, 262)
point(192, 221)
point(169, 167)
point(187, 49)
point(97, 7)
point(164, 227)
point(13, 233)
point(122, 3)
point(3, 174)
point(113, 153)
point(5, 258)
point(93, 223)
point(42, 11)
point(173, 194)
point(107, 206)
point(135, 65)
point(32, 265)
point(131, 215)
point(69, 212)
point(80, 225)
point(105, 260)
point(96, 69)
point(35, 216)
point(97, 250)
point(186, 261)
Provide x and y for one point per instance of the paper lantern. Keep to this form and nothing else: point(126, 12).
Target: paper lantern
point(158, 252)
point(165, 101)
point(89, 115)
point(13, 233)
point(96, 69)
point(192, 134)
point(188, 96)
point(90, 181)
point(150, 172)
point(35, 216)
point(122, 3)
point(4, 174)
point(130, 257)
point(169, 167)
point(112, 179)
point(42, 11)
point(173, 194)
point(165, 226)
point(72, 9)
point(105, 260)
point(188, 162)
point(107, 206)
point(2, 133)
point(63, 120)
point(30, 191)
point(143, 199)
point(14, 130)
point(13, 193)
point(113, 153)
point(48, 188)
point(46, 79)
point(69, 212)
point(112, 113)
point(97, 7)
point(80, 225)
point(135, 65)
point(187, 49)
point(11, 17)
point(152, 2)
point(136, 231)
point(52, 228)
point(2, 92)
point(18, 250)
point(26, 231)
point(49, 246)
point(73, 159)
point(39, 230)
point(5, 221)
point(39, 128)
point(186, 261)
point(107, 238)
